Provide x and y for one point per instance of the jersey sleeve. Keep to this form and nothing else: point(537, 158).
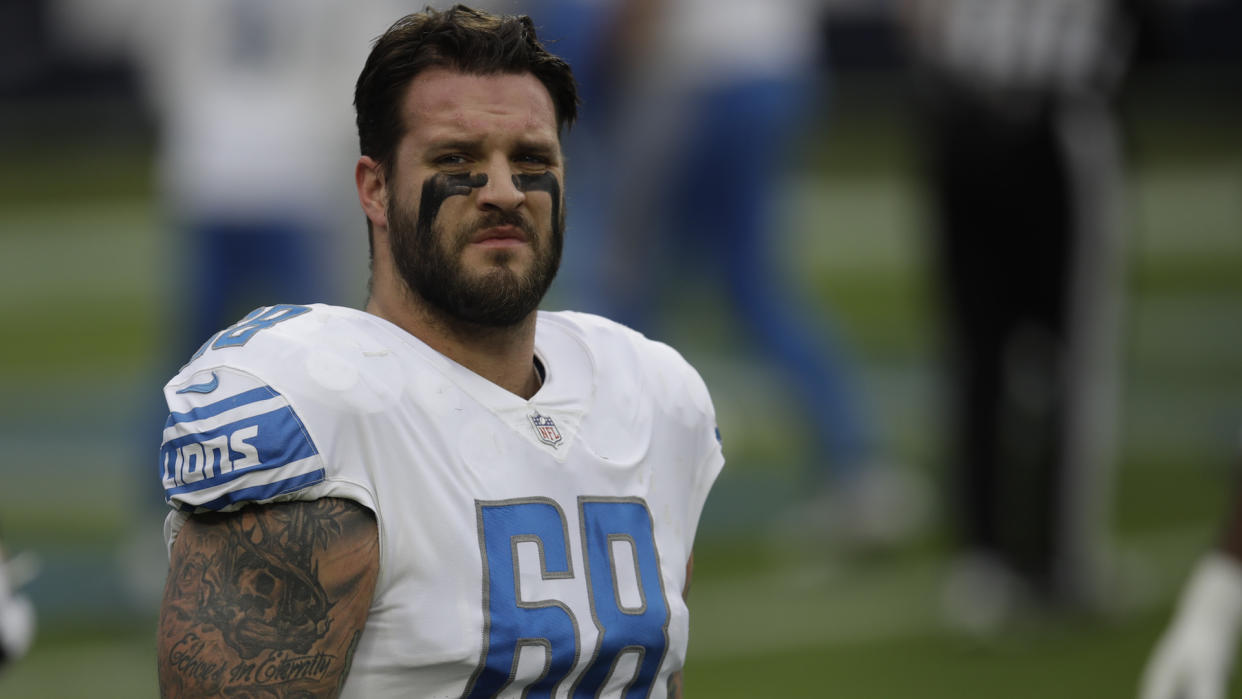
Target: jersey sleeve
point(706, 433)
point(232, 439)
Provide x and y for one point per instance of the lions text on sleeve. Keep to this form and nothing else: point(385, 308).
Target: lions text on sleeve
point(527, 547)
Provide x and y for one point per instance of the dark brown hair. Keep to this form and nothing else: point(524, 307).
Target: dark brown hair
point(462, 39)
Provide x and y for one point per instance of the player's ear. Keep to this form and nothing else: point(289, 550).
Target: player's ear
point(372, 190)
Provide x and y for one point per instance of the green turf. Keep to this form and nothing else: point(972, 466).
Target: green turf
point(1074, 662)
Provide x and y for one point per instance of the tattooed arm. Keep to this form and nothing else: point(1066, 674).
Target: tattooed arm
point(268, 601)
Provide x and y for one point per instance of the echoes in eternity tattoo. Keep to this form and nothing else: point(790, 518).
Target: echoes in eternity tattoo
point(260, 589)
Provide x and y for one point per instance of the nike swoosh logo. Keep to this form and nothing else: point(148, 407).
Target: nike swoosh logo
point(205, 387)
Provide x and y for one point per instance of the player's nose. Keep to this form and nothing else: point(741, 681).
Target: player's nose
point(500, 192)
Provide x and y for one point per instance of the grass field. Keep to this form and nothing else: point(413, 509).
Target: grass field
point(85, 273)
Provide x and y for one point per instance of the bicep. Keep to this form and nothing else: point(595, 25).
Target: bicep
point(268, 599)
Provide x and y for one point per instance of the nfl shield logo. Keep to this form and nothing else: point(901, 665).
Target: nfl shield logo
point(545, 429)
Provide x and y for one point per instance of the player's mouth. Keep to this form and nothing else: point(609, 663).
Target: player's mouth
point(499, 236)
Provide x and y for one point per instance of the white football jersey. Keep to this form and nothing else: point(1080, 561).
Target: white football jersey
point(527, 547)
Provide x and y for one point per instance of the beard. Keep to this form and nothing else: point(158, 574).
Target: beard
point(430, 261)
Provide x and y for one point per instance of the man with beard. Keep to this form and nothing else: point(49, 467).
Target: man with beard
point(448, 493)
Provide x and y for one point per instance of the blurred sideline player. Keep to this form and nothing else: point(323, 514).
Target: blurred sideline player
point(238, 89)
point(253, 124)
point(703, 105)
point(1016, 105)
point(17, 616)
point(1194, 657)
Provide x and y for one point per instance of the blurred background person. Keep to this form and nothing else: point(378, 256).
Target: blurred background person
point(1195, 655)
point(1023, 167)
point(17, 615)
point(254, 127)
point(692, 119)
point(246, 95)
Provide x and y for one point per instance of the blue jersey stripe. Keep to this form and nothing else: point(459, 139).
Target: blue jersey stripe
point(254, 395)
point(213, 457)
point(265, 491)
point(274, 424)
point(216, 481)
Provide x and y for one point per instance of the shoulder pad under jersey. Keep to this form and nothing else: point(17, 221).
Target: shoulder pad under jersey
point(231, 437)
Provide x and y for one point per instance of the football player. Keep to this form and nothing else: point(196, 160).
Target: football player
point(448, 493)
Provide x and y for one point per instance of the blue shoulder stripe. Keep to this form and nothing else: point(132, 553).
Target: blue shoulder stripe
point(217, 456)
point(262, 492)
point(254, 395)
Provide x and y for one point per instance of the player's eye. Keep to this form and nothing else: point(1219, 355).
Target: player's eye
point(533, 160)
point(451, 159)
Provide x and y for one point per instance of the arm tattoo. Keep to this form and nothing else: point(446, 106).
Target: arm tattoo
point(268, 601)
